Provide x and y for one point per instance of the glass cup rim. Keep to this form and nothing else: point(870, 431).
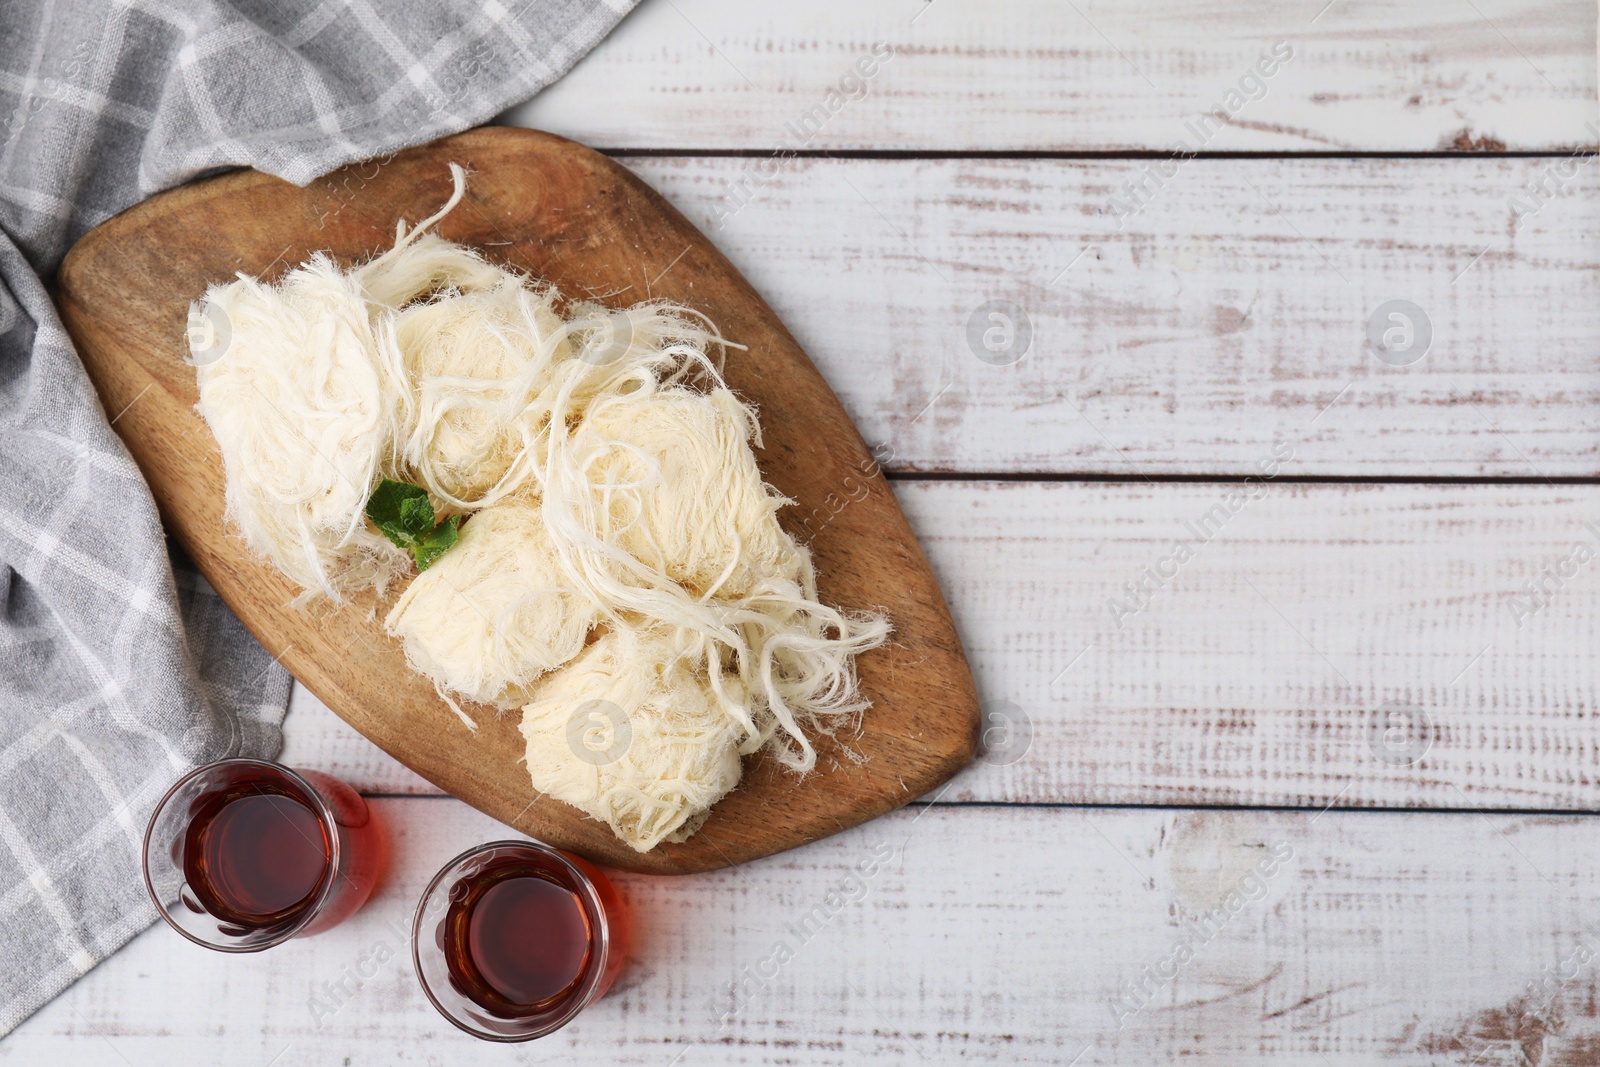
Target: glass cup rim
point(324, 814)
point(591, 899)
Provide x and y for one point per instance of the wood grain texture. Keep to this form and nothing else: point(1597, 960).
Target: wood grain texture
point(1386, 75)
point(581, 221)
point(988, 935)
point(1230, 312)
point(1264, 671)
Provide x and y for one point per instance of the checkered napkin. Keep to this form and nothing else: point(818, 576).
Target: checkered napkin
point(119, 667)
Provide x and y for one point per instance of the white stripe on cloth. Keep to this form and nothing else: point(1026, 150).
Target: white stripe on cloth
point(78, 954)
point(54, 547)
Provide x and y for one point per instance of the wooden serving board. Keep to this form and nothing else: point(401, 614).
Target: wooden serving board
point(582, 221)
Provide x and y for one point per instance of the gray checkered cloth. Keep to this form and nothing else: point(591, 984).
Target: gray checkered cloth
point(119, 667)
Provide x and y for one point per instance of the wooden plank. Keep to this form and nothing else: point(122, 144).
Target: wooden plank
point(1281, 665)
point(1232, 311)
point(975, 934)
point(1092, 75)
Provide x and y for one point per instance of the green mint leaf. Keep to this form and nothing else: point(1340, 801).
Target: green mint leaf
point(401, 511)
point(404, 514)
point(437, 540)
point(416, 515)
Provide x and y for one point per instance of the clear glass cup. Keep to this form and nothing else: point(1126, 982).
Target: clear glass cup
point(231, 831)
point(446, 937)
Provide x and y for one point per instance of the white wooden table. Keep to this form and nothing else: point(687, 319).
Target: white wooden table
point(1432, 896)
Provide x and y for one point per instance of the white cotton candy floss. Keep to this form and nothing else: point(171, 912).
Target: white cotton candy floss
point(307, 402)
point(477, 360)
point(673, 485)
point(620, 571)
point(494, 612)
point(632, 733)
